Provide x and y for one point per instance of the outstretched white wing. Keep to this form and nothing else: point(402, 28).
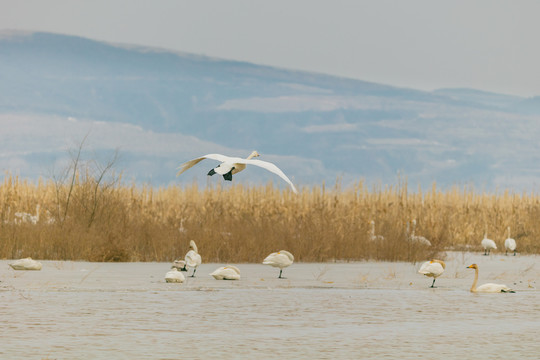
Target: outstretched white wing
point(270, 167)
point(189, 164)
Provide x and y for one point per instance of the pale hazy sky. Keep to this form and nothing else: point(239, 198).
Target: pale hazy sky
point(424, 44)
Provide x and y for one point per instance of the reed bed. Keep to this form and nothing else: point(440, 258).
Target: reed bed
point(87, 219)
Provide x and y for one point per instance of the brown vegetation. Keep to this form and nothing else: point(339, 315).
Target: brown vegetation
point(84, 217)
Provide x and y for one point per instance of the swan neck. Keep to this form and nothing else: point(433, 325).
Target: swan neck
point(473, 287)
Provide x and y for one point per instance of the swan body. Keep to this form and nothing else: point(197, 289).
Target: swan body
point(488, 244)
point(26, 264)
point(280, 259)
point(510, 244)
point(416, 238)
point(229, 272)
point(433, 268)
point(180, 265)
point(233, 165)
point(193, 259)
point(372, 235)
point(489, 287)
point(174, 276)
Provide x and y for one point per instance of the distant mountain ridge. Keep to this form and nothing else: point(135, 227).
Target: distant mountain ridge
point(161, 108)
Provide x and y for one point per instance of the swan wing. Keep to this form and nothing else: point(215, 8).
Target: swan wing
point(174, 276)
point(226, 273)
point(270, 167)
point(489, 244)
point(493, 288)
point(431, 268)
point(189, 164)
point(278, 259)
point(193, 259)
point(26, 264)
point(510, 244)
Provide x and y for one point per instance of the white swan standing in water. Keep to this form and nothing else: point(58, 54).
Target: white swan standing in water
point(280, 259)
point(416, 238)
point(174, 276)
point(372, 235)
point(510, 244)
point(26, 264)
point(433, 268)
point(488, 244)
point(233, 165)
point(193, 259)
point(489, 287)
point(229, 272)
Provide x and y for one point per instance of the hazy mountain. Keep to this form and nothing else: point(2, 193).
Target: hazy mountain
point(160, 108)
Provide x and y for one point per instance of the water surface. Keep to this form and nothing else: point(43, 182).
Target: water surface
point(340, 310)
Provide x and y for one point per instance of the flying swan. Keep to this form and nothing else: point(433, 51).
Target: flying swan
point(280, 259)
point(489, 287)
point(229, 272)
point(193, 258)
point(233, 165)
point(433, 268)
point(26, 264)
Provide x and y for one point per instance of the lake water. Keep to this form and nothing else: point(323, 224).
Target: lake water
point(366, 310)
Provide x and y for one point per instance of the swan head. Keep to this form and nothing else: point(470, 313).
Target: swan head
point(253, 154)
point(473, 266)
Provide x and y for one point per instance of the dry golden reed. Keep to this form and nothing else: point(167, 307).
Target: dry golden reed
point(96, 221)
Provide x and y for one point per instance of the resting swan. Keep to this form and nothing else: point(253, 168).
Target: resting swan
point(174, 276)
point(233, 165)
point(489, 287)
point(433, 268)
point(193, 259)
point(280, 259)
point(180, 265)
point(26, 264)
point(510, 244)
point(488, 244)
point(229, 272)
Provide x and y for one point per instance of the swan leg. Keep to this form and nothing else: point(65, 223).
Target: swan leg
point(193, 275)
point(211, 172)
point(433, 283)
point(280, 271)
point(514, 252)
